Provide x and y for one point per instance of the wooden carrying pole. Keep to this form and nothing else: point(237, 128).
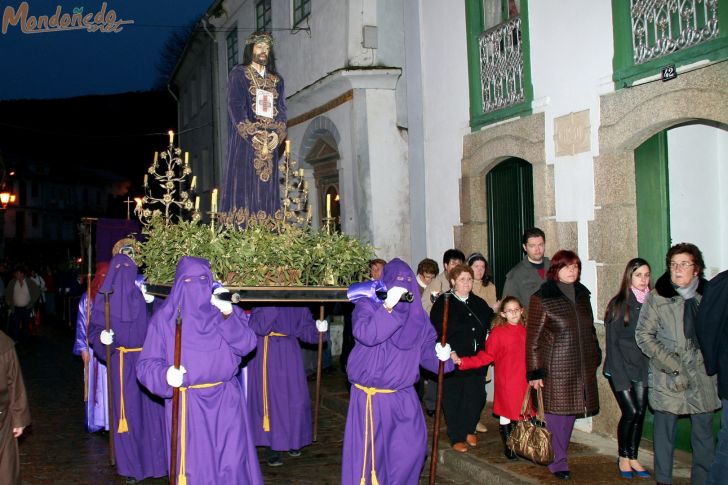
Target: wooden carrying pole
point(319, 358)
point(175, 400)
point(86, 363)
point(109, 380)
point(438, 403)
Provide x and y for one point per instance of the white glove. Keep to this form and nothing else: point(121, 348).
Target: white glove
point(322, 325)
point(443, 353)
point(225, 306)
point(147, 297)
point(107, 338)
point(393, 296)
point(175, 375)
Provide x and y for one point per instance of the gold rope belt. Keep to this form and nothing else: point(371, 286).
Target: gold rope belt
point(369, 425)
point(182, 477)
point(266, 416)
point(123, 425)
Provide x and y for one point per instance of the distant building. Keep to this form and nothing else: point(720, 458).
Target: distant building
point(73, 158)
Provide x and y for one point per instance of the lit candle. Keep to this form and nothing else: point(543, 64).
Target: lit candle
point(197, 203)
point(171, 137)
point(214, 200)
point(305, 185)
point(300, 173)
point(288, 147)
point(310, 212)
point(187, 158)
point(194, 182)
point(328, 206)
point(146, 181)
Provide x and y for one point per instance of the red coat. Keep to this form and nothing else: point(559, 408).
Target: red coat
point(506, 347)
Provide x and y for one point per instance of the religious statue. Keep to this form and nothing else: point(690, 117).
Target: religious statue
point(256, 131)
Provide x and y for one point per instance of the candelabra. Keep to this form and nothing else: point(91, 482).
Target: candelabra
point(174, 177)
point(294, 200)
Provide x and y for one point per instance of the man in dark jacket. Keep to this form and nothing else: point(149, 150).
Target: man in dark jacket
point(711, 328)
point(526, 277)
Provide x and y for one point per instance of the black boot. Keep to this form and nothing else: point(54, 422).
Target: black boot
point(505, 432)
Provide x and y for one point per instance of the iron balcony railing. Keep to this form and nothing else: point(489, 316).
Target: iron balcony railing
point(661, 27)
point(501, 65)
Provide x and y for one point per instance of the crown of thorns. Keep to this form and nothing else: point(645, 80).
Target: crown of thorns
point(258, 37)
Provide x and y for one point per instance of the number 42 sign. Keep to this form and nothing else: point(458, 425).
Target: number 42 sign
point(669, 72)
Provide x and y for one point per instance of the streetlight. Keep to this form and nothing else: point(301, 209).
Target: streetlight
point(6, 198)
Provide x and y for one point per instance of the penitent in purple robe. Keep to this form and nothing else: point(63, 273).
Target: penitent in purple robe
point(97, 410)
point(252, 175)
point(140, 449)
point(289, 404)
point(217, 442)
point(389, 349)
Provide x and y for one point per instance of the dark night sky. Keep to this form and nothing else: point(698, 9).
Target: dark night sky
point(74, 63)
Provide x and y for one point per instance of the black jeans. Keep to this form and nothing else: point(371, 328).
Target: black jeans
point(19, 323)
point(633, 403)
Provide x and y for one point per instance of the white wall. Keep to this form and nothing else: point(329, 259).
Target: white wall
point(571, 51)
point(444, 106)
point(698, 173)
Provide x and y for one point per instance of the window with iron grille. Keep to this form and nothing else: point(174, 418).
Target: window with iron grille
point(498, 59)
point(301, 10)
point(652, 34)
point(263, 21)
point(232, 48)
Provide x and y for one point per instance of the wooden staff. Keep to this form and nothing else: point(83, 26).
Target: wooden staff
point(175, 399)
point(88, 315)
point(319, 357)
point(109, 381)
point(88, 347)
point(438, 402)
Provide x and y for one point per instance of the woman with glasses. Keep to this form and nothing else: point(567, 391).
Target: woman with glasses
point(562, 353)
point(626, 366)
point(677, 380)
point(463, 392)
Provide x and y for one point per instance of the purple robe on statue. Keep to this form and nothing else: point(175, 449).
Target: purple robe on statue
point(289, 404)
point(389, 349)
point(97, 409)
point(251, 181)
point(217, 440)
point(139, 450)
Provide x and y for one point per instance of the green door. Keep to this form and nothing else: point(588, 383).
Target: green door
point(509, 194)
point(653, 202)
point(653, 237)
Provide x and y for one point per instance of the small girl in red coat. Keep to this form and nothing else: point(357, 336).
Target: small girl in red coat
point(506, 347)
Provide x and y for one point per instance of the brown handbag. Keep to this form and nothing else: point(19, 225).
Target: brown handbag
point(530, 438)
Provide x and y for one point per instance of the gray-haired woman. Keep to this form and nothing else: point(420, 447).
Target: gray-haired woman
point(677, 380)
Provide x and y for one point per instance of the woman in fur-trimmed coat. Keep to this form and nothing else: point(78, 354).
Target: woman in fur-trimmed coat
point(677, 380)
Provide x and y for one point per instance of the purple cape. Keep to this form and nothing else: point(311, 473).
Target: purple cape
point(389, 349)
point(139, 451)
point(243, 188)
point(218, 443)
point(97, 410)
point(289, 405)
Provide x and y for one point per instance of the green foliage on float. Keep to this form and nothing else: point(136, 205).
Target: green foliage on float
point(257, 255)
